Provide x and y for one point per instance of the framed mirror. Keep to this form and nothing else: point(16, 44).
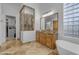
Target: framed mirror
point(49, 23)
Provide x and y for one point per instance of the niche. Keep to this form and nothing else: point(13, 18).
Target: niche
point(27, 18)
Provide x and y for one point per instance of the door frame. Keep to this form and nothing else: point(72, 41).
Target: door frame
point(6, 25)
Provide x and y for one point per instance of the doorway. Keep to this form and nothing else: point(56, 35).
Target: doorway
point(10, 27)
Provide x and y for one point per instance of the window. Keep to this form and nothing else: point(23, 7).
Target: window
point(71, 19)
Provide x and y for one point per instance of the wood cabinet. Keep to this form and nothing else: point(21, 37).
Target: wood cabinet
point(46, 39)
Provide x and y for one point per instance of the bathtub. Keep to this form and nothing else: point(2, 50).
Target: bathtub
point(67, 48)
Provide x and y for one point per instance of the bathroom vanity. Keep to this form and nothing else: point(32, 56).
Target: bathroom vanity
point(46, 38)
point(49, 30)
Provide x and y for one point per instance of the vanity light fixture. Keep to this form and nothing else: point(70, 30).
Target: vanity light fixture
point(49, 13)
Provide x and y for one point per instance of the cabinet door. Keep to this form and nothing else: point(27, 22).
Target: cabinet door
point(38, 36)
point(42, 38)
point(49, 41)
point(54, 42)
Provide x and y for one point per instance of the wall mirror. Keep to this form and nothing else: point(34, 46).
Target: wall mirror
point(27, 18)
point(49, 23)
